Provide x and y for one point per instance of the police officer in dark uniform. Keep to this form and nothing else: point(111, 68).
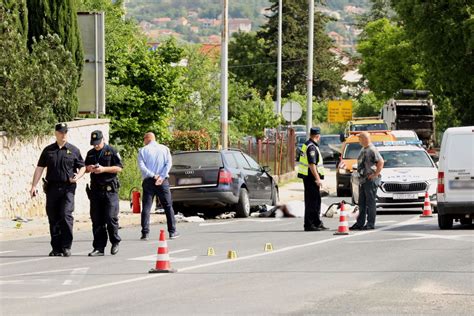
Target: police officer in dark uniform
point(65, 167)
point(311, 170)
point(103, 162)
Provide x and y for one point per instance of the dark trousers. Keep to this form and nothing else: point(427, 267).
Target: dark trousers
point(104, 210)
point(312, 203)
point(59, 208)
point(367, 203)
point(150, 190)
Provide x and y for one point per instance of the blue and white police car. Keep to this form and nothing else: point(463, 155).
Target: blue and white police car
point(408, 173)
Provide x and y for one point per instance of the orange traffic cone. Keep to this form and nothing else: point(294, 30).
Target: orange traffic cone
point(343, 228)
point(427, 207)
point(162, 258)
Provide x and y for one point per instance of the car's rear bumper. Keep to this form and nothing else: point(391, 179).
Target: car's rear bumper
point(456, 208)
point(343, 181)
point(204, 197)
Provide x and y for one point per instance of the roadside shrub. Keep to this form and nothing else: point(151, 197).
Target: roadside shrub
point(189, 140)
point(130, 176)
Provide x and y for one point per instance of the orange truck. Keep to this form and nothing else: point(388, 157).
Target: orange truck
point(349, 153)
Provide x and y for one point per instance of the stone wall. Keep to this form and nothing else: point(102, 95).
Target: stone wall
point(18, 161)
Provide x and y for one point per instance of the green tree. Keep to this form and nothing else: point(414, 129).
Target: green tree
point(367, 105)
point(249, 61)
point(200, 110)
point(37, 86)
point(389, 60)
point(443, 35)
point(253, 57)
point(19, 13)
point(142, 86)
point(56, 17)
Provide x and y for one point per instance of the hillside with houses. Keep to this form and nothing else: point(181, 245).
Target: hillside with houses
point(199, 21)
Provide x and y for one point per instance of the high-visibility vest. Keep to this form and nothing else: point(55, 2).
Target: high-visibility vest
point(303, 164)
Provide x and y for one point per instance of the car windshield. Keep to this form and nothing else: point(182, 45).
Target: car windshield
point(197, 160)
point(406, 159)
point(298, 128)
point(352, 151)
point(369, 127)
point(300, 140)
point(326, 140)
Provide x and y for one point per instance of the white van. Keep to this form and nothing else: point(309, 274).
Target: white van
point(455, 192)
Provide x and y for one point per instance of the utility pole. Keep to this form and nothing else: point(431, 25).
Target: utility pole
point(224, 74)
point(309, 80)
point(280, 31)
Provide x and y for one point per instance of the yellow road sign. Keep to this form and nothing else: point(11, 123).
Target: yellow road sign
point(339, 111)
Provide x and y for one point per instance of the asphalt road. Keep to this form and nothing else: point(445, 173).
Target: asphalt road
point(406, 266)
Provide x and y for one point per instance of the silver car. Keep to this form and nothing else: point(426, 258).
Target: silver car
point(408, 173)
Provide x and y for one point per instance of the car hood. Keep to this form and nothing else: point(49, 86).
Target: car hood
point(408, 174)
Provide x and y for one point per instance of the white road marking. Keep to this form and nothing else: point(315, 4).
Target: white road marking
point(39, 272)
point(25, 282)
point(385, 222)
point(226, 261)
point(76, 276)
point(7, 251)
point(449, 237)
point(38, 259)
point(384, 240)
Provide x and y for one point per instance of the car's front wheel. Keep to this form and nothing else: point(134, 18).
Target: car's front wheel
point(242, 209)
point(445, 221)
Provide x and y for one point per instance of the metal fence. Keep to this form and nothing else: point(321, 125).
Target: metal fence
point(277, 151)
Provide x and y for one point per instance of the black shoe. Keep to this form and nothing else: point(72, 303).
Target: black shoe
point(367, 227)
point(144, 237)
point(55, 253)
point(355, 227)
point(66, 252)
point(322, 227)
point(114, 250)
point(175, 235)
point(96, 253)
point(312, 229)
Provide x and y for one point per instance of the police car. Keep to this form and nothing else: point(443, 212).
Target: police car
point(407, 174)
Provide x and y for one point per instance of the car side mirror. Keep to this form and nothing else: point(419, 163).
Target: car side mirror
point(342, 137)
point(266, 169)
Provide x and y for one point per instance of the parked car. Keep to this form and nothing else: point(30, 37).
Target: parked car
point(300, 140)
point(456, 177)
point(220, 178)
point(407, 174)
point(349, 153)
point(329, 154)
point(405, 135)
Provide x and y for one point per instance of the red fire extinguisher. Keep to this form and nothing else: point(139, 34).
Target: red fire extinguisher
point(135, 200)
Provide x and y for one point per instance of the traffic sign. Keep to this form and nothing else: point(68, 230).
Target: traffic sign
point(292, 111)
point(339, 111)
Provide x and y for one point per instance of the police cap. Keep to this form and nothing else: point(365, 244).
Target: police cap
point(315, 131)
point(61, 127)
point(96, 137)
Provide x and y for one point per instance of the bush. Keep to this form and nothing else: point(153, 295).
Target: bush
point(38, 88)
point(189, 140)
point(130, 176)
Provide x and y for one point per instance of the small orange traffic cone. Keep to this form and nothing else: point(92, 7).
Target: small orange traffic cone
point(343, 228)
point(427, 207)
point(162, 258)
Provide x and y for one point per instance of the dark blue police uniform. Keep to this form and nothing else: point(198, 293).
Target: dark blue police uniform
point(61, 163)
point(104, 199)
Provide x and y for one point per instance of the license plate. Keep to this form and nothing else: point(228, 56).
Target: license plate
point(461, 184)
point(189, 181)
point(405, 196)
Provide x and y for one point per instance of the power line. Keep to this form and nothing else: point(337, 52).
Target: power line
point(270, 63)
